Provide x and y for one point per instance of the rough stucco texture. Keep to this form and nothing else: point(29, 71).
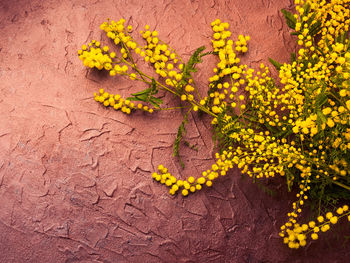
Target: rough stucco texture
point(75, 181)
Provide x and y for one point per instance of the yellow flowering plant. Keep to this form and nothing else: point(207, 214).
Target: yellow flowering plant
point(299, 130)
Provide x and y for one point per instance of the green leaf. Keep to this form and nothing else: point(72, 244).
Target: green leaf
point(338, 38)
point(328, 45)
point(306, 9)
point(192, 147)
point(155, 101)
point(181, 131)
point(197, 53)
point(142, 97)
point(319, 121)
point(154, 89)
point(190, 66)
point(284, 134)
point(146, 95)
point(276, 64)
point(272, 129)
point(207, 53)
point(315, 28)
point(293, 57)
point(320, 99)
point(309, 21)
point(321, 117)
point(146, 92)
point(341, 38)
point(290, 19)
point(290, 177)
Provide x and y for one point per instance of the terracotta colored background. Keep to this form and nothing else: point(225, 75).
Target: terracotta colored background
point(75, 181)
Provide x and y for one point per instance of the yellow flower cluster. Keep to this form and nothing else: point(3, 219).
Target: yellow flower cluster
point(316, 91)
point(258, 150)
point(116, 32)
point(95, 56)
point(223, 94)
point(223, 164)
point(332, 14)
point(167, 63)
point(310, 103)
point(118, 103)
point(327, 64)
point(299, 130)
point(241, 43)
point(100, 58)
point(164, 59)
point(297, 237)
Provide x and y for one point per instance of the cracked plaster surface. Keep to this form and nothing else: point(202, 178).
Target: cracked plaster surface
point(75, 182)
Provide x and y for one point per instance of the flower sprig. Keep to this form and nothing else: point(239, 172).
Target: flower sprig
point(298, 129)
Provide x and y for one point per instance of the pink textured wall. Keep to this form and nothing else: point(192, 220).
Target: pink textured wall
point(75, 178)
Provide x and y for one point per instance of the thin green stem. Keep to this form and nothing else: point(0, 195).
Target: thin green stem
point(341, 185)
point(193, 103)
point(173, 50)
point(172, 108)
